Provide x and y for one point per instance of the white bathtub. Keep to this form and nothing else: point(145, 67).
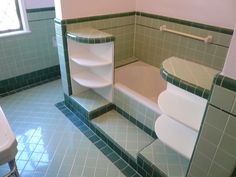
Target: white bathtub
point(141, 82)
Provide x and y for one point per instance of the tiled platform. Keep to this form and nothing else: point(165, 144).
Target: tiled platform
point(90, 100)
point(49, 145)
point(165, 159)
point(123, 132)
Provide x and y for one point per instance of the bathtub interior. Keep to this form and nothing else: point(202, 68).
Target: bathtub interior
point(141, 78)
point(137, 87)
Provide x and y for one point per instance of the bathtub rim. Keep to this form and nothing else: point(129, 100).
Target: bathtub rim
point(138, 97)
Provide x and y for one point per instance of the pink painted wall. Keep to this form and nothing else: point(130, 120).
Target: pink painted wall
point(214, 12)
point(34, 4)
point(66, 9)
point(230, 63)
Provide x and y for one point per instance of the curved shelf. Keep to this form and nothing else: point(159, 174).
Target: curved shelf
point(90, 60)
point(90, 80)
point(185, 110)
point(176, 135)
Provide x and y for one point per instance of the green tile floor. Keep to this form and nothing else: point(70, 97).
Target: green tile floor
point(49, 145)
point(165, 159)
point(123, 132)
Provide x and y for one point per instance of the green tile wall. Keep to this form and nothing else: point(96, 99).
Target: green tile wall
point(30, 52)
point(63, 57)
point(154, 46)
point(138, 35)
point(215, 154)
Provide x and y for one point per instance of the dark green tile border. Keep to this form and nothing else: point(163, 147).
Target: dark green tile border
point(25, 81)
point(188, 23)
point(175, 20)
point(100, 17)
point(225, 82)
point(40, 9)
point(199, 91)
point(90, 40)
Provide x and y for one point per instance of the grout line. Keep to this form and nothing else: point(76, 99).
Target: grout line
point(217, 147)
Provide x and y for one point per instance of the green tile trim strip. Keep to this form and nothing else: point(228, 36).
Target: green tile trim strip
point(91, 40)
point(29, 80)
point(144, 172)
point(225, 82)
point(188, 23)
point(40, 9)
point(90, 132)
point(175, 20)
point(100, 17)
point(199, 91)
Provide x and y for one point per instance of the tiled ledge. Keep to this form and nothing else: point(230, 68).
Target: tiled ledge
point(184, 74)
point(205, 93)
point(90, 36)
point(225, 82)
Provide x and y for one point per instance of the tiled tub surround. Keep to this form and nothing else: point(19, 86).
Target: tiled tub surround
point(30, 58)
point(144, 39)
point(192, 77)
point(137, 35)
point(137, 87)
point(214, 155)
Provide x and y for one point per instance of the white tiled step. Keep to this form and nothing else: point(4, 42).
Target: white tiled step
point(176, 135)
point(123, 132)
point(164, 159)
point(183, 108)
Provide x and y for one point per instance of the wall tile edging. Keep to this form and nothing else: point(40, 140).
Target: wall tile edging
point(225, 82)
point(197, 90)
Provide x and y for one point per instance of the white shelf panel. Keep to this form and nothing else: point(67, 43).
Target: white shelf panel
point(175, 135)
point(185, 110)
point(90, 60)
point(90, 80)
